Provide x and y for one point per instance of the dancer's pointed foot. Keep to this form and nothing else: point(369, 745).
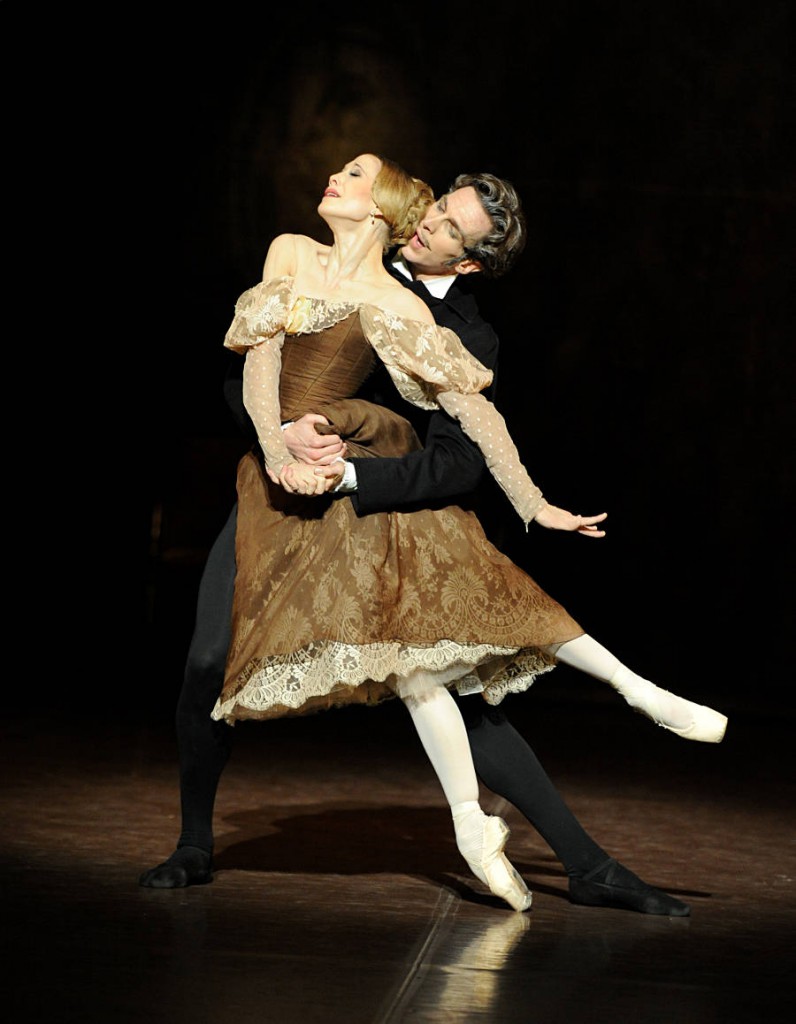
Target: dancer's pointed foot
point(611, 884)
point(492, 867)
point(188, 865)
point(678, 715)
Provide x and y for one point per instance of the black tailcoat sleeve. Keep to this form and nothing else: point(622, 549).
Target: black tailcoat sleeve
point(450, 466)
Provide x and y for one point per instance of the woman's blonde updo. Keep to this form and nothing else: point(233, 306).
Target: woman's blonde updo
point(402, 200)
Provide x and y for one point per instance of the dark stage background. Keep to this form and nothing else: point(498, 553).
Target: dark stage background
point(647, 333)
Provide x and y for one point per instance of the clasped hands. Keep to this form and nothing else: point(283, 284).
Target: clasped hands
point(318, 467)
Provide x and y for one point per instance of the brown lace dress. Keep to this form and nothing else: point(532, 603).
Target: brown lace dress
point(330, 607)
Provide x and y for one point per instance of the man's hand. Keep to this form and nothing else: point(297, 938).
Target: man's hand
point(305, 444)
point(559, 519)
point(299, 478)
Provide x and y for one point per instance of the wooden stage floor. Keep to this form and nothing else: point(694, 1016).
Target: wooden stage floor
point(339, 895)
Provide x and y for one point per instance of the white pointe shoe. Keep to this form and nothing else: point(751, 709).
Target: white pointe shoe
point(494, 868)
point(706, 725)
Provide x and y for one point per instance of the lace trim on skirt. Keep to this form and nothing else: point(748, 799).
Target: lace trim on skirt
point(300, 682)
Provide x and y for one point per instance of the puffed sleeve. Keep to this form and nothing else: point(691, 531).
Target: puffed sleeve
point(432, 369)
point(258, 332)
point(422, 359)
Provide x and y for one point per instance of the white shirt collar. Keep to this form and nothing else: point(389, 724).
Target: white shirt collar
point(438, 286)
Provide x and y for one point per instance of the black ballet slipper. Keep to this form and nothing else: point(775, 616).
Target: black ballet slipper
point(188, 865)
point(611, 884)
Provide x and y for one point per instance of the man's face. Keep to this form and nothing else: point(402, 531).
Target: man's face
point(453, 221)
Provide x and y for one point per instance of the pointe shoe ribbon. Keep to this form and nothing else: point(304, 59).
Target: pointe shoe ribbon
point(494, 868)
point(706, 725)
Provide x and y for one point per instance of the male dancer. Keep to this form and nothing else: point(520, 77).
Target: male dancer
point(477, 227)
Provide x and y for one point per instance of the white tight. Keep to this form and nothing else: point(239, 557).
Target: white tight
point(440, 726)
point(441, 729)
point(585, 654)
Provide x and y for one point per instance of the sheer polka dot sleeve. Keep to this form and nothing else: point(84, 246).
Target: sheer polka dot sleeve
point(257, 332)
point(484, 425)
point(261, 398)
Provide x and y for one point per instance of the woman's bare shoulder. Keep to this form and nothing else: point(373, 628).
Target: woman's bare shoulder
point(402, 302)
point(288, 252)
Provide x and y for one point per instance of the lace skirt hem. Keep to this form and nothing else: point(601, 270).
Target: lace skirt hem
point(328, 674)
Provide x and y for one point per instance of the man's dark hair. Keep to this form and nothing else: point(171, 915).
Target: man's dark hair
point(499, 250)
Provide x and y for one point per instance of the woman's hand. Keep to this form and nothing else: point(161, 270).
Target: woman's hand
point(553, 518)
point(299, 478)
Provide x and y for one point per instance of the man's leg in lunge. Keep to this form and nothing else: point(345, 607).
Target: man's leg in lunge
point(507, 765)
point(204, 745)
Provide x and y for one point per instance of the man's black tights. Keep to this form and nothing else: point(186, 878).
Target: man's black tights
point(205, 745)
point(508, 766)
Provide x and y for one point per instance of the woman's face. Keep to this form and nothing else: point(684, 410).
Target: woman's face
point(350, 191)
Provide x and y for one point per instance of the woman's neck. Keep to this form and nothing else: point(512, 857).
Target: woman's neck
point(355, 255)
